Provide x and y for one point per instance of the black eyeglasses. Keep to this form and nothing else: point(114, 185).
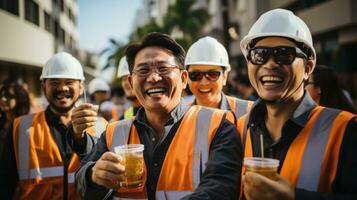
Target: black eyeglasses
point(210, 75)
point(160, 68)
point(282, 55)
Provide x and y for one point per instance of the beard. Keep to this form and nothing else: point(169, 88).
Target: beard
point(61, 109)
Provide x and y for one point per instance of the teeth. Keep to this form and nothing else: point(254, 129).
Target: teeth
point(204, 90)
point(272, 78)
point(155, 90)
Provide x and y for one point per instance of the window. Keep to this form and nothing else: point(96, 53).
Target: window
point(48, 22)
point(11, 6)
point(57, 29)
point(31, 12)
point(62, 36)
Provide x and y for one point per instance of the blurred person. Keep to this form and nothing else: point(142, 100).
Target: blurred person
point(325, 89)
point(14, 102)
point(35, 105)
point(208, 66)
point(123, 73)
point(100, 93)
point(43, 150)
point(99, 90)
point(176, 166)
point(316, 146)
point(244, 88)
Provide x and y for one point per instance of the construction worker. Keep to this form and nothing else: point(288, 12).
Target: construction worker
point(99, 91)
point(208, 67)
point(43, 149)
point(123, 73)
point(316, 146)
point(185, 157)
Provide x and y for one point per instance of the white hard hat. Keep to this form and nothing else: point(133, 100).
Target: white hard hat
point(123, 68)
point(207, 51)
point(281, 23)
point(62, 65)
point(98, 84)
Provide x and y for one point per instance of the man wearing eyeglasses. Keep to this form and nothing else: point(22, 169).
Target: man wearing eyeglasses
point(316, 146)
point(190, 152)
point(208, 67)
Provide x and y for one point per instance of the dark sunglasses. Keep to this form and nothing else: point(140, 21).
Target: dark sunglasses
point(282, 55)
point(6, 94)
point(210, 75)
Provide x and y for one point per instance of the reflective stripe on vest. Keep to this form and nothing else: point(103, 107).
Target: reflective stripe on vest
point(23, 149)
point(200, 148)
point(24, 146)
point(121, 133)
point(311, 164)
point(200, 155)
point(171, 195)
point(241, 107)
point(99, 127)
point(312, 158)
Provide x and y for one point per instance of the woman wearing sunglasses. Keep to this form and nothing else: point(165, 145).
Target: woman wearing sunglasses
point(14, 102)
point(208, 67)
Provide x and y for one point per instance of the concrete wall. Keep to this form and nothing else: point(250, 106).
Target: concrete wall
point(23, 42)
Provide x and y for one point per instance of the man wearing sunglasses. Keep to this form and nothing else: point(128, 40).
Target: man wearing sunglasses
point(190, 152)
point(316, 146)
point(208, 67)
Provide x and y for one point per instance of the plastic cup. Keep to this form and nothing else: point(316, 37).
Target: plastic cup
point(267, 167)
point(133, 160)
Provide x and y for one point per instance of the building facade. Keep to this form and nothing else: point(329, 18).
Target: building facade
point(31, 32)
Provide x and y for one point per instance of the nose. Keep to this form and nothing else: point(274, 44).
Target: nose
point(270, 64)
point(154, 77)
point(204, 80)
point(62, 86)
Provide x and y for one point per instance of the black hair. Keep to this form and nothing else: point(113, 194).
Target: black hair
point(21, 97)
point(159, 40)
point(331, 91)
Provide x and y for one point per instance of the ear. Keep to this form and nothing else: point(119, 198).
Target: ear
point(43, 86)
point(81, 87)
point(309, 68)
point(130, 80)
point(184, 78)
point(225, 77)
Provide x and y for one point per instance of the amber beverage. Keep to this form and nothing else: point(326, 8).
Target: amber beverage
point(133, 160)
point(267, 167)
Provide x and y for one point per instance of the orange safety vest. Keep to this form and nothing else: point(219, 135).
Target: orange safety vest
point(39, 163)
point(239, 106)
point(188, 152)
point(312, 158)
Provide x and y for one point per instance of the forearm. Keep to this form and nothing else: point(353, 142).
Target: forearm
point(85, 187)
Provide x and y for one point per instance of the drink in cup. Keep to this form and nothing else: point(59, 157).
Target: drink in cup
point(267, 167)
point(133, 160)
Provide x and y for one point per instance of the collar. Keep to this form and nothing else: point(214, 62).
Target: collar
point(223, 105)
point(175, 115)
point(300, 116)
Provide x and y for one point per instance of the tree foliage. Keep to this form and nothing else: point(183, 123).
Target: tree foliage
point(182, 19)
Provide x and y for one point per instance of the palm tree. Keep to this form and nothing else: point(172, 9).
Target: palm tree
point(181, 18)
point(116, 50)
point(186, 19)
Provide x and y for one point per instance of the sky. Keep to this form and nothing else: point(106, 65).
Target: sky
point(100, 20)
